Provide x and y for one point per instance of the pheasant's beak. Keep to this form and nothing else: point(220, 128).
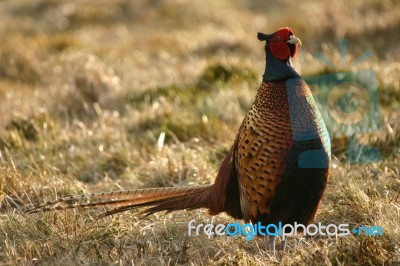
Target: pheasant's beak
point(294, 40)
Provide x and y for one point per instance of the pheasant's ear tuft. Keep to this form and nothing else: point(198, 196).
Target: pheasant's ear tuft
point(262, 37)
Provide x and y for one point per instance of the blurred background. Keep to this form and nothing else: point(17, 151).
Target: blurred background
point(187, 69)
point(157, 43)
point(121, 94)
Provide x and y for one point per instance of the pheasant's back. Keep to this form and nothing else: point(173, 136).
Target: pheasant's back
point(283, 116)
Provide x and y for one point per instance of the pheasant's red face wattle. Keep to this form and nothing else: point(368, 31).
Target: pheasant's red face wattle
point(279, 45)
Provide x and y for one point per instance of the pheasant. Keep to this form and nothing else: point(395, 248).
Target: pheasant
point(275, 171)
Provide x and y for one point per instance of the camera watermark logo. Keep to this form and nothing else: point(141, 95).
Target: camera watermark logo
point(349, 104)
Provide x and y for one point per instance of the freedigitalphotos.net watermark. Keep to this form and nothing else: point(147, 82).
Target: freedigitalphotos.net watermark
point(283, 230)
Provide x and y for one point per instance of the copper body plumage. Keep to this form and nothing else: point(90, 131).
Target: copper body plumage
point(276, 169)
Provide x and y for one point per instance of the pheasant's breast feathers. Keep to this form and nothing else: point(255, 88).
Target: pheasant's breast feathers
point(264, 142)
point(266, 138)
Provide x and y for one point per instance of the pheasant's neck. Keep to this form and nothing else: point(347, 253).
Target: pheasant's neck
point(276, 70)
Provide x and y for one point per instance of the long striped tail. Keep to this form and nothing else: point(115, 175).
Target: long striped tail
point(156, 199)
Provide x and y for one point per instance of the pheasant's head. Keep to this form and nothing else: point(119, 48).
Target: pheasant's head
point(282, 44)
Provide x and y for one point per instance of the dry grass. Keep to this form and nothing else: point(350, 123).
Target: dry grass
point(87, 88)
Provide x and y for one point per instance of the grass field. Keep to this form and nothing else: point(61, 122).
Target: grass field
point(87, 88)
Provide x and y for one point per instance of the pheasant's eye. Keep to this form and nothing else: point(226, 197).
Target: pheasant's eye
point(277, 38)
